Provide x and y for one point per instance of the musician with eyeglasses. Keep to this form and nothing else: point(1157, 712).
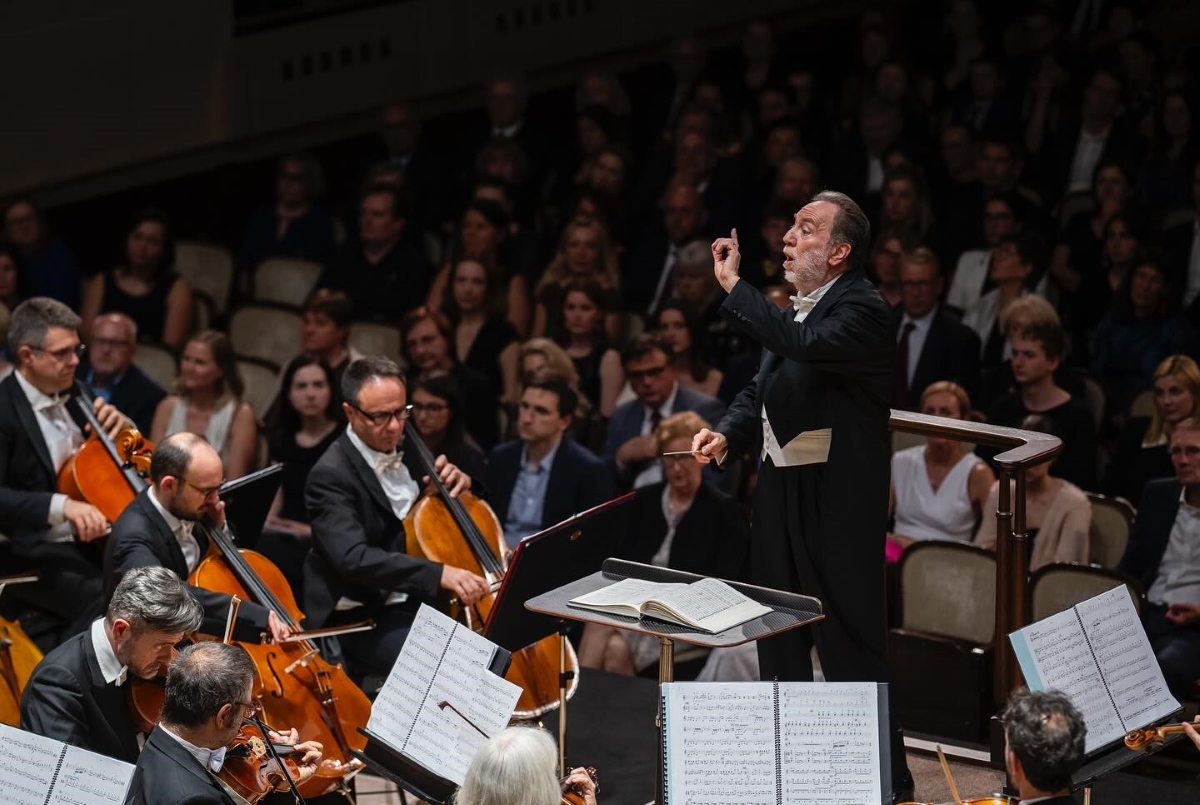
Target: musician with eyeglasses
point(358, 495)
point(167, 525)
point(39, 528)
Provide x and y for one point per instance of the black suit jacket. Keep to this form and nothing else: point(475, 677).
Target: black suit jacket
point(358, 543)
point(578, 480)
point(951, 352)
point(169, 774)
point(1151, 530)
point(1055, 163)
point(141, 538)
point(67, 699)
point(136, 396)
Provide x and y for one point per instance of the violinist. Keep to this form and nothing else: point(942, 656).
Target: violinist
point(208, 697)
point(1044, 739)
point(38, 434)
point(517, 767)
point(77, 693)
point(160, 528)
point(358, 495)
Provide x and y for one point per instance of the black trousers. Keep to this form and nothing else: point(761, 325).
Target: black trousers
point(69, 589)
point(374, 652)
point(802, 541)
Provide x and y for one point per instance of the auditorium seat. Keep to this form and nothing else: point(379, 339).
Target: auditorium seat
point(1062, 585)
point(1143, 404)
point(371, 338)
point(158, 363)
point(285, 281)
point(208, 269)
point(1112, 522)
point(266, 332)
point(261, 380)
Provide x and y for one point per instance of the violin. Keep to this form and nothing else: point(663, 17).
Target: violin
point(254, 767)
point(571, 795)
point(1141, 738)
point(464, 532)
point(18, 657)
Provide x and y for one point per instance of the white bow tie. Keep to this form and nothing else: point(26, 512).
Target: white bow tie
point(216, 759)
point(802, 304)
point(390, 462)
point(56, 403)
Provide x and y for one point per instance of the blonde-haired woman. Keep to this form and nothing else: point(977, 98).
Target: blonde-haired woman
point(207, 399)
point(586, 251)
point(938, 488)
point(1141, 454)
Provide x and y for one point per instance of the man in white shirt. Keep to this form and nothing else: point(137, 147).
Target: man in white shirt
point(39, 431)
point(1044, 736)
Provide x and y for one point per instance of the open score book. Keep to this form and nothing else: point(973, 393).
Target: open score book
point(709, 605)
point(35, 770)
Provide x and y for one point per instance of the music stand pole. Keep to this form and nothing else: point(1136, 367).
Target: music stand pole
point(564, 679)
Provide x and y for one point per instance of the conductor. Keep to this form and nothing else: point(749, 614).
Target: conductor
point(819, 408)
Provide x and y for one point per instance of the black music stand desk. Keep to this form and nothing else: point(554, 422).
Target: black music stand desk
point(788, 611)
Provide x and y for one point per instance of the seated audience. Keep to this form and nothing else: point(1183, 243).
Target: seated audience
point(684, 523)
point(108, 369)
point(207, 399)
point(145, 286)
point(292, 225)
point(484, 339)
point(6, 366)
point(50, 267)
point(1044, 736)
point(12, 279)
point(1057, 512)
point(427, 336)
point(682, 330)
point(1014, 260)
point(437, 415)
point(519, 766)
point(883, 264)
point(647, 270)
point(971, 272)
point(588, 427)
point(1162, 556)
point(582, 336)
point(939, 488)
point(1141, 453)
point(325, 333)
point(585, 252)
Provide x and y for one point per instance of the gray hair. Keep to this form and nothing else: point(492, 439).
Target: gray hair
point(696, 254)
point(514, 767)
point(1046, 733)
point(850, 226)
point(154, 599)
point(34, 317)
point(204, 678)
point(373, 367)
point(121, 319)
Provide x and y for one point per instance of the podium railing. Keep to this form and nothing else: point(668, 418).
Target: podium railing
point(1025, 449)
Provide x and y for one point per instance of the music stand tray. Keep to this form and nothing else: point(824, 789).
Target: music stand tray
point(788, 611)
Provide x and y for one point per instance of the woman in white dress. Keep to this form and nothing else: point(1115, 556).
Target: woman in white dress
point(207, 399)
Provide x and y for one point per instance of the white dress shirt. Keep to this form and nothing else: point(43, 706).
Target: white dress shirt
point(916, 339)
point(653, 472)
point(969, 276)
point(60, 433)
point(398, 486)
point(210, 759)
point(1087, 153)
point(509, 131)
point(182, 529)
point(112, 669)
point(663, 277)
point(1178, 579)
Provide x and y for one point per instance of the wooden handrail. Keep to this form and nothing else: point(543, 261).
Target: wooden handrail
point(1026, 449)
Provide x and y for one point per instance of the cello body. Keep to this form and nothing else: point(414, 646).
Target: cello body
point(432, 532)
point(296, 687)
point(18, 657)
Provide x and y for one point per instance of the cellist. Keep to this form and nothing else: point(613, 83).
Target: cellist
point(357, 495)
point(77, 694)
point(38, 434)
point(159, 529)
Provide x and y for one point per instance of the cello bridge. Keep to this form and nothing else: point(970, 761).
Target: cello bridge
point(300, 661)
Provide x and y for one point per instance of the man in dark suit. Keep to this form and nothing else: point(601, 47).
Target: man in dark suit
point(358, 495)
point(159, 529)
point(647, 274)
point(931, 345)
point(77, 693)
point(39, 432)
point(543, 478)
point(1161, 555)
point(110, 372)
point(819, 408)
point(629, 447)
point(210, 690)
point(1044, 735)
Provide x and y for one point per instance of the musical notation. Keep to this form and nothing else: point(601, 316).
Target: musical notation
point(35, 770)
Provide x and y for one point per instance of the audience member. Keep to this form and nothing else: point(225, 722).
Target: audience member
point(12, 275)
point(970, 279)
point(1164, 183)
point(144, 286)
point(518, 767)
point(50, 266)
point(647, 274)
point(207, 399)
point(1180, 243)
point(585, 252)
point(883, 264)
point(436, 411)
point(582, 335)
point(483, 338)
point(1015, 259)
point(292, 225)
point(421, 171)
point(109, 371)
point(325, 333)
point(683, 331)
point(1044, 736)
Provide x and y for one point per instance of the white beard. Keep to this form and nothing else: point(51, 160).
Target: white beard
point(808, 270)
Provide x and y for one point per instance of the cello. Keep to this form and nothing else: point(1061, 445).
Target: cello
point(18, 657)
point(464, 532)
point(298, 687)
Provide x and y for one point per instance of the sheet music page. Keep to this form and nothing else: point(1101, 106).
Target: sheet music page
point(721, 743)
point(712, 604)
point(829, 742)
point(631, 592)
point(1061, 659)
point(87, 778)
point(27, 764)
point(1126, 658)
point(396, 707)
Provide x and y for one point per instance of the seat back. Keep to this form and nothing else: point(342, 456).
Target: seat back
point(208, 269)
point(285, 280)
point(1142, 404)
point(370, 338)
point(948, 588)
point(268, 333)
point(1112, 522)
point(1094, 394)
point(260, 381)
point(1060, 586)
point(158, 363)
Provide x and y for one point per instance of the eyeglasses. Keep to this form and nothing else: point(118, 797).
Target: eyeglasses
point(428, 408)
point(208, 492)
point(64, 354)
point(380, 419)
point(676, 459)
point(646, 374)
point(249, 709)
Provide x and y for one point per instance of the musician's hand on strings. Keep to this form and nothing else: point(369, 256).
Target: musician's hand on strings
point(726, 260)
point(278, 628)
point(1192, 732)
point(310, 763)
point(455, 480)
point(463, 584)
point(579, 780)
point(1183, 614)
point(112, 420)
point(287, 738)
point(709, 445)
point(87, 520)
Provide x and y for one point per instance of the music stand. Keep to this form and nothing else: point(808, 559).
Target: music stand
point(788, 611)
point(248, 502)
point(542, 562)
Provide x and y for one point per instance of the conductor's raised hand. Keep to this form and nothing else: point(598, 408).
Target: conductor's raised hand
point(463, 584)
point(709, 445)
point(727, 259)
point(455, 480)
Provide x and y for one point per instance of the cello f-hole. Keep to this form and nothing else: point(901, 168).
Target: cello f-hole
point(275, 675)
